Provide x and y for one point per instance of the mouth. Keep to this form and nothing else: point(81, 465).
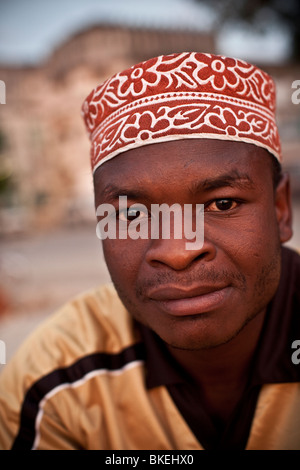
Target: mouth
point(180, 303)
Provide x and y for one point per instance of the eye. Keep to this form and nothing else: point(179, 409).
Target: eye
point(132, 213)
point(221, 205)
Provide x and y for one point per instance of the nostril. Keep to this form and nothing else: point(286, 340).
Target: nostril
point(200, 257)
point(173, 253)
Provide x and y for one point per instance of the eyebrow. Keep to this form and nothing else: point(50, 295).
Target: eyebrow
point(112, 192)
point(233, 179)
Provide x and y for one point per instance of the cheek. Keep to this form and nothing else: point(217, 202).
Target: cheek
point(261, 236)
point(254, 230)
point(247, 238)
point(252, 245)
point(123, 259)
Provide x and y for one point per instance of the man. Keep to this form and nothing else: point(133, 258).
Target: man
point(190, 348)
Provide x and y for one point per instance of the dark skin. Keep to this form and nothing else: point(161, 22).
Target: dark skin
point(233, 276)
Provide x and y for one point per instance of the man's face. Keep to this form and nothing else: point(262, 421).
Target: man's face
point(198, 298)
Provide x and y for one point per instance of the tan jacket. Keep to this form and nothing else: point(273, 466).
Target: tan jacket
point(78, 383)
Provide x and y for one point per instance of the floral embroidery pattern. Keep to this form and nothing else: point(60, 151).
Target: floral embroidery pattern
point(179, 95)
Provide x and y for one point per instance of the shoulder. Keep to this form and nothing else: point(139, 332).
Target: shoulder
point(94, 321)
point(90, 336)
point(92, 324)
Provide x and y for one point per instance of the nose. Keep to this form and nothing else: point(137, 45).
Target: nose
point(174, 254)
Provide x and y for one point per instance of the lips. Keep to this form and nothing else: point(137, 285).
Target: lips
point(180, 302)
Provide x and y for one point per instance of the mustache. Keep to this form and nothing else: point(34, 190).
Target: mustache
point(211, 276)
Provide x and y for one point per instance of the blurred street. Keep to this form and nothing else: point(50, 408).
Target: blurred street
point(40, 273)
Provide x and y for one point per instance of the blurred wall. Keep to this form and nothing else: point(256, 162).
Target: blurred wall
point(45, 177)
point(45, 151)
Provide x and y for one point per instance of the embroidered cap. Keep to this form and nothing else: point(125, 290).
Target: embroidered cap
point(181, 96)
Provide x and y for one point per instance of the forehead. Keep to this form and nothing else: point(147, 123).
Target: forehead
point(181, 161)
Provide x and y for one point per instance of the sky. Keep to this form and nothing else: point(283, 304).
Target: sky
point(31, 29)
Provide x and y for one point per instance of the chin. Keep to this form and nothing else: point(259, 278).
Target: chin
point(196, 344)
point(201, 332)
point(193, 334)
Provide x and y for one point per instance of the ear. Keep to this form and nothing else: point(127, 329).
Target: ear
point(284, 209)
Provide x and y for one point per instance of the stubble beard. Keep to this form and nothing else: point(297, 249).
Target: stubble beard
point(264, 288)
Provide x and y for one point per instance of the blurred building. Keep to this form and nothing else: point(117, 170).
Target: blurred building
point(44, 150)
